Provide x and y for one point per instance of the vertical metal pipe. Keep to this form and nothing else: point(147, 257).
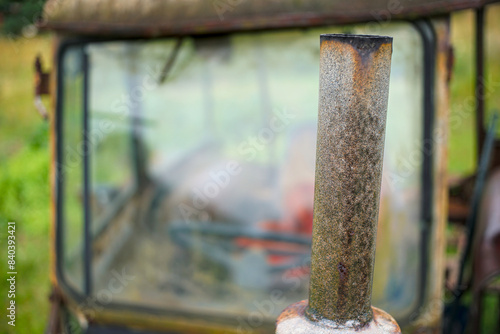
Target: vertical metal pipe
point(353, 95)
point(354, 87)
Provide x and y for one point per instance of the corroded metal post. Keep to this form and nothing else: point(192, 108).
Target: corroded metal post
point(354, 88)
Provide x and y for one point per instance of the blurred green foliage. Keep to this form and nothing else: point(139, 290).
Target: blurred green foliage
point(19, 14)
point(25, 200)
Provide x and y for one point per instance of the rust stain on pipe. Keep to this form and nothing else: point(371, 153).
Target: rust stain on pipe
point(353, 96)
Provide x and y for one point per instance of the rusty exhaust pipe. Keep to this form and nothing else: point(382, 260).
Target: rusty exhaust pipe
point(353, 94)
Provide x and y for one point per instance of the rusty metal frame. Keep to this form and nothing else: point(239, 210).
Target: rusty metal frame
point(259, 17)
point(426, 30)
point(59, 178)
point(87, 210)
point(479, 80)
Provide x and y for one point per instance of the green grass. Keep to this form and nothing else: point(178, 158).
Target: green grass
point(18, 117)
point(462, 153)
point(24, 160)
point(462, 144)
point(24, 183)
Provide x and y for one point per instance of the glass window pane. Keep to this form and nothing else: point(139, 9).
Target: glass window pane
point(71, 167)
point(222, 219)
point(110, 132)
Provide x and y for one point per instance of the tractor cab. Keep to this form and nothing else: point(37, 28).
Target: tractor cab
point(184, 140)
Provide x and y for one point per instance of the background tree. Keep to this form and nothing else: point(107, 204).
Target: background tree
point(19, 14)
